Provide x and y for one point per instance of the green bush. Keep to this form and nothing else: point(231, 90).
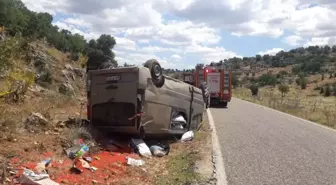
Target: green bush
point(254, 89)
point(9, 48)
point(267, 79)
point(284, 89)
point(327, 91)
point(17, 19)
point(283, 73)
point(303, 83)
point(298, 81)
point(44, 78)
point(74, 56)
point(235, 81)
point(321, 90)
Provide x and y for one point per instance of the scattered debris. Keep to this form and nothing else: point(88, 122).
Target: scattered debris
point(88, 159)
point(41, 167)
point(135, 162)
point(140, 147)
point(71, 152)
point(80, 164)
point(82, 151)
point(159, 151)
point(188, 136)
point(30, 177)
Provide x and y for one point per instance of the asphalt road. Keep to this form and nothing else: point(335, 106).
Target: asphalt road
point(264, 147)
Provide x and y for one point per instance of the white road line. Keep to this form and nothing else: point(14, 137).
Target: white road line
point(283, 113)
point(217, 154)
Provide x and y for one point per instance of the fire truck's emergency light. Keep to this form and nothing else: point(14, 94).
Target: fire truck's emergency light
point(207, 70)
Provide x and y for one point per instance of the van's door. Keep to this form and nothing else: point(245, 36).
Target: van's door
point(113, 97)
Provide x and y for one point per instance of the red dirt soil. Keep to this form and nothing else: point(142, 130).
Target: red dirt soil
point(112, 168)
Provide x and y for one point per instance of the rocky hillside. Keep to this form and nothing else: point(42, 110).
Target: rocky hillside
point(40, 88)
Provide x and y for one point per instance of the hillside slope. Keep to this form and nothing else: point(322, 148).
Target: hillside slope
point(43, 81)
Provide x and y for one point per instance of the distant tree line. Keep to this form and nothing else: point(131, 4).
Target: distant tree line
point(310, 59)
point(18, 20)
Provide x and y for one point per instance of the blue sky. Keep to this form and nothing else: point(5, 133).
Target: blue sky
point(251, 45)
point(180, 33)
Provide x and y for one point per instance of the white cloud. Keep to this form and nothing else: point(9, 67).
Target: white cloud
point(209, 54)
point(320, 41)
point(254, 28)
point(78, 22)
point(142, 29)
point(74, 29)
point(293, 40)
point(176, 33)
point(138, 58)
point(125, 44)
point(271, 51)
point(176, 58)
point(241, 17)
point(156, 49)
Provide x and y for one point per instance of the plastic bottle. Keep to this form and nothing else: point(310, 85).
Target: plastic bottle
point(84, 149)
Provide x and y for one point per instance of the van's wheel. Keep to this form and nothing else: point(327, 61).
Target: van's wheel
point(156, 72)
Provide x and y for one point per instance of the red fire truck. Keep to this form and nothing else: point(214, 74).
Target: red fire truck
point(217, 80)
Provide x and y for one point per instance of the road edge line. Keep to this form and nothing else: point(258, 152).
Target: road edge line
point(219, 168)
point(308, 121)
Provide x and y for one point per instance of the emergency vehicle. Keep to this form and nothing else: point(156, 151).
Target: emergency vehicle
point(217, 80)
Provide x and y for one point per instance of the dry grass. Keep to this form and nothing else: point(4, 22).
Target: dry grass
point(180, 164)
point(302, 103)
point(51, 104)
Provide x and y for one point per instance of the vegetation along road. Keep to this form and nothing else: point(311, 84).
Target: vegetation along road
point(263, 146)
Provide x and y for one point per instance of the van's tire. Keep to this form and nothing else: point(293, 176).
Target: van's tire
point(156, 72)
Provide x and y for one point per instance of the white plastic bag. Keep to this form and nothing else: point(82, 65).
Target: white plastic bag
point(188, 136)
point(158, 151)
point(141, 147)
point(179, 119)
